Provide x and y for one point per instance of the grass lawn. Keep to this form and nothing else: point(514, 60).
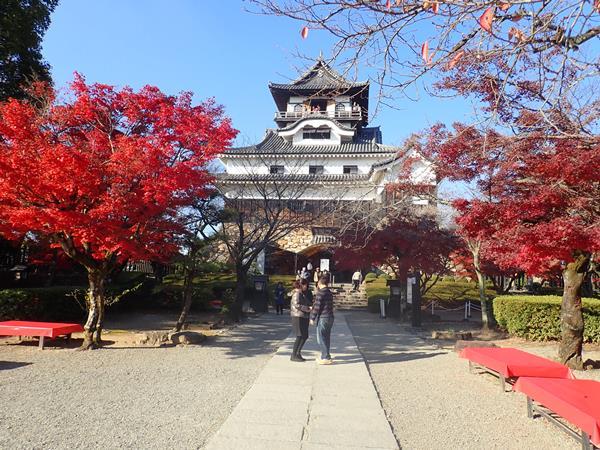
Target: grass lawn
point(449, 290)
point(214, 283)
point(446, 290)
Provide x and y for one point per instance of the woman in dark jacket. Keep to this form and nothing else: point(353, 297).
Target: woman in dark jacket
point(300, 306)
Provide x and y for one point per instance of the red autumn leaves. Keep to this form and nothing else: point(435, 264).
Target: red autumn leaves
point(105, 172)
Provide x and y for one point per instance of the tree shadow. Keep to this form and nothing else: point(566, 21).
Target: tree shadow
point(8, 365)
point(55, 343)
point(259, 335)
point(382, 342)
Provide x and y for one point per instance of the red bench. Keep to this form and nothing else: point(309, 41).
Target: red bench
point(577, 401)
point(510, 364)
point(40, 329)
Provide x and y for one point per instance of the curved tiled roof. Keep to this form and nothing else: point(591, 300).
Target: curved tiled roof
point(319, 76)
point(302, 177)
point(304, 119)
point(367, 141)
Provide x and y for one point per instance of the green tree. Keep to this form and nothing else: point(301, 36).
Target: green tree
point(22, 27)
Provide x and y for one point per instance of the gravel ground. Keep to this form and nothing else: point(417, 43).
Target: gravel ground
point(433, 402)
point(130, 397)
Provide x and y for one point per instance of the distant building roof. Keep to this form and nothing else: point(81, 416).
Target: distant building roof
point(366, 141)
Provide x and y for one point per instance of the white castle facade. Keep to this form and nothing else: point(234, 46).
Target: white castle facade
point(322, 143)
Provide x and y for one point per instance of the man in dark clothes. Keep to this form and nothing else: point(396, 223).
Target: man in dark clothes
point(322, 316)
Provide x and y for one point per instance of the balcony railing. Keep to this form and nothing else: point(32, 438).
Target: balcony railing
point(296, 115)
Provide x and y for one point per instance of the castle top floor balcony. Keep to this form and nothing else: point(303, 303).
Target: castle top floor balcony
point(292, 116)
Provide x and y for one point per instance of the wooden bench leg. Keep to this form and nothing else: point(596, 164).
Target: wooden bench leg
point(68, 338)
point(41, 344)
point(502, 382)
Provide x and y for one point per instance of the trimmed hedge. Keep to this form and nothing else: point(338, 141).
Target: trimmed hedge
point(371, 276)
point(376, 289)
point(51, 304)
point(537, 318)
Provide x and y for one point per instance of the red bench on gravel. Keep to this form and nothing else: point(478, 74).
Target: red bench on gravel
point(576, 401)
point(40, 329)
point(511, 363)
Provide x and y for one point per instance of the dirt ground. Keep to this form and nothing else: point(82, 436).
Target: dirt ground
point(121, 330)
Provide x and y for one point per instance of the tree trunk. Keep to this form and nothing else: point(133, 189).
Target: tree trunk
point(92, 335)
point(240, 288)
point(188, 289)
point(571, 314)
point(486, 312)
point(485, 307)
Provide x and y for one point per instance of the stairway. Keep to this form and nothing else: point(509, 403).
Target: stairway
point(344, 298)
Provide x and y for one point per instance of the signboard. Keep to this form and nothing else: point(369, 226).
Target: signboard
point(324, 265)
point(409, 289)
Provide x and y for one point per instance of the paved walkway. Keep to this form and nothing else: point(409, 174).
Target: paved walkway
point(308, 406)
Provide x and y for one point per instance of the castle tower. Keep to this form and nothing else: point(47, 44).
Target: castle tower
point(321, 142)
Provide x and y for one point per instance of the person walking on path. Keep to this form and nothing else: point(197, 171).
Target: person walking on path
point(299, 310)
point(356, 280)
point(322, 316)
point(279, 298)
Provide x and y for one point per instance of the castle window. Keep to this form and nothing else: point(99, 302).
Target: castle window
point(323, 132)
point(350, 169)
point(315, 170)
point(279, 170)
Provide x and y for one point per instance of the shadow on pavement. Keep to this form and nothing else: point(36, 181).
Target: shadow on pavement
point(256, 336)
point(7, 365)
point(384, 341)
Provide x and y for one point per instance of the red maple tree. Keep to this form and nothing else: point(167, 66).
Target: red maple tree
point(537, 204)
point(103, 172)
point(405, 244)
point(502, 276)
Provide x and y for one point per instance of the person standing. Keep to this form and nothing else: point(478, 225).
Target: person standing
point(299, 310)
point(356, 280)
point(322, 316)
point(279, 298)
point(305, 275)
point(309, 267)
point(316, 276)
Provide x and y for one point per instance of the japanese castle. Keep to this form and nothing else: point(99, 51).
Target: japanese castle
point(323, 143)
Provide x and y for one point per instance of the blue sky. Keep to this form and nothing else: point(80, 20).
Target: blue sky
point(212, 48)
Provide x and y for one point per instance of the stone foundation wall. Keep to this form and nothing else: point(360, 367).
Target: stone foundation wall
point(296, 241)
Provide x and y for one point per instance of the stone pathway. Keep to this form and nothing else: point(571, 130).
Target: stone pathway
point(308, 406)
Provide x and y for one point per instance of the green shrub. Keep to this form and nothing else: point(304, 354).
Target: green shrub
point(370, 277)
point(42, 304)
point(384, 276)
point(537, 318)
point(375, 290)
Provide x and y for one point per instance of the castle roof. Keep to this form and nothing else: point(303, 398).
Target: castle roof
point(293, 178)
point(319, 77)
point(366, 141)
